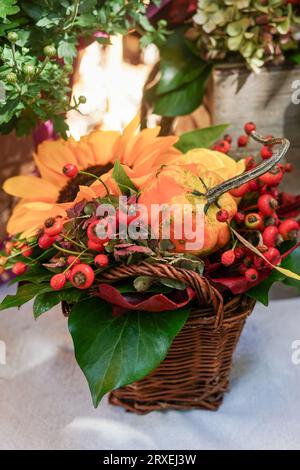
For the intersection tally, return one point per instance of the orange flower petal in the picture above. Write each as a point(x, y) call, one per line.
point(31, 187)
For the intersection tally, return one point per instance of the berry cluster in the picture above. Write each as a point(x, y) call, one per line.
point(257, 219)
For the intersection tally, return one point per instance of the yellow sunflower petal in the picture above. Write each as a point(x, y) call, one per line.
point(55, 154)
point(31, 187)
point(103, 145)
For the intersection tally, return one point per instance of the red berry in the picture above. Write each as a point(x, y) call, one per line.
point(58, 281)
point(251, 274)
point(100, 231)
point(267, 204)
point(82, 276)
point(250, 163)
point(242, 141)
point(228, 257)
point(270, 236)
point(19, 268)
point(239, 252)
point(72, 260)
point(273, 256)
point(228, 138)
point(262, 248)
point(27, 251)
point(68, 274)
point(8, 247)
point(95, 246)
point(101, 260)
point(242, 269)
point(45, 241)
point(222, 146)
point(253, 221)
point(222, 215)
point(70, 170)
point(249, 127)
point(254, 185)
point(289, 229)
point(240, 191)
point(53, 227)
point(272, 177)
point(288, 167)
point(239, 217)
point(266, 152)
point(259, 262)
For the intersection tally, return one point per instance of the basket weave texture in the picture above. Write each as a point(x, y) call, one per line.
point(195, 373)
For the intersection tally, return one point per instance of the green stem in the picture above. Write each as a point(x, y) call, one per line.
point(96, 178)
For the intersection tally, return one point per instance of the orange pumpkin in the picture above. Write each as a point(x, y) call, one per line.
point(174, 184)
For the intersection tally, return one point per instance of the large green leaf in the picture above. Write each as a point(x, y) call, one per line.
point(44, 302)
point(183, 100)
point(178, 65)
point(35, 274)
point(115, 351)
point(200, 138)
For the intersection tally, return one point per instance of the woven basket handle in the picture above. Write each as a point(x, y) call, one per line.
point(206, 293)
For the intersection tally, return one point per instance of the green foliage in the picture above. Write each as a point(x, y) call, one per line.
point(183, 77)
point(200, 138)
point(115, 351)
point(63, 26)
point(122, 179)
point(291, 262)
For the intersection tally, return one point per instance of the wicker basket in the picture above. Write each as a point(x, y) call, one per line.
point(195, 374)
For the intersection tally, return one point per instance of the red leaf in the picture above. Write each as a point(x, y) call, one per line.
point(239, 284)
point(146, 301)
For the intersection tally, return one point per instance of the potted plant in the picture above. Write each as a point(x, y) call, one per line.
point(156, 300)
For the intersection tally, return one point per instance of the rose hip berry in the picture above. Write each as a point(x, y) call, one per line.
point(288, 229)
point(58, 281)
point(267, 204)
point(253, 221)
point(228, 138)
point(258, 262)
point(70, 170)
point(249, 127)
point(228, 258)
point(272, 177)
point(239, 217)
point(273, 255)
point(45, 241)
point(242, 141)
point(251, 274)
point(222, 215)
point(240, 191)
point(53, 226)
point(239, 252)
point(270, 236)
point(101, 260)
point(95, 246)
point(222, 146)
point(27, 251)
point(19, 268)
point(266, 152)
point(82, 276)
point(72, 260)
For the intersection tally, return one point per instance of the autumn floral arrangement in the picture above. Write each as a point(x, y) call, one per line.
point(85, 216)
point(206, 34)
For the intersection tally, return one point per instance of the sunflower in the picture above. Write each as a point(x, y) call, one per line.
point(51, 193)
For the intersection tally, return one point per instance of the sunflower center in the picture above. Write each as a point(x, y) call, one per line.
point(69, 192)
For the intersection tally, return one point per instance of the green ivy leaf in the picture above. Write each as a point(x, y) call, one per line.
point(183, 100)
point(24, 293)
point(200, 138)
point(122, 179)
point(116, 351)
point(67, 50)
point(44, 302)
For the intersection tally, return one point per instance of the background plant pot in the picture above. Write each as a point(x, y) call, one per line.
point(234, 95)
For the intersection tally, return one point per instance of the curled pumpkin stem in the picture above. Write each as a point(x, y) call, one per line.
point(212, 195)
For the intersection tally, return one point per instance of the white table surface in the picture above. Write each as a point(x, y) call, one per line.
point(45, 402)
